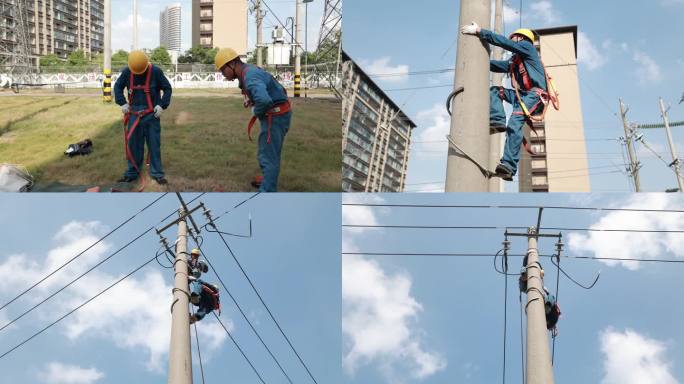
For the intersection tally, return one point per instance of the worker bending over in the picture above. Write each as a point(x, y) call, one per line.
point(270, 106)
point(528, 96)
point(142, 109)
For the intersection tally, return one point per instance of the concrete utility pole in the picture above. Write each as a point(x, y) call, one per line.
point(107, 70)
point(538, 370)
point(259, 31)
point(633, 162)
point(470, 108)
point(495, 183)
point(673, 149)
point(180, 360)
point(299, 16)
point(135, 25)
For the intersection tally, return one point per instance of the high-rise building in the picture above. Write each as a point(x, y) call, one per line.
point(221, 24)
point(170, 27)
point(55, 26)
point(376, 135)
point(560, 161)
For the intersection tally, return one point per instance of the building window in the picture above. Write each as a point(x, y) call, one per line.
point(539, 180)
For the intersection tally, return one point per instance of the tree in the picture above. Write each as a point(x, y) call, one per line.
point(77, 58)
point(209, 56)
point(120, 59)
point(198, 55)
point(160, 56)
point(50, 60)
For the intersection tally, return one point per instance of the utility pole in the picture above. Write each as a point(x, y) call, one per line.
point(135, 25)
point(673, 149)
point(470, 116)
point(298, 51)
point(495, 140)
point(633, 162)
point(538, 370)
point(180, 359)
point(107, 70)
point(259, 31)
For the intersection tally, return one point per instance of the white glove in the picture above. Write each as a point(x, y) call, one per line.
point(472, 29)
point(253, 114)
point(125, 108)
point(158, 111)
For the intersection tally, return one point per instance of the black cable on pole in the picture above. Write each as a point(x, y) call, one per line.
point(484, 227)
point(505, 269)
point(385, 205)
point(244, 315)
point(77, 308)
point(199, 352)
point(235, 207)
point(522, 342)
point(239, 349)
point(553, 348)
point(82, 252)
point(263, 303)
point(78, 278)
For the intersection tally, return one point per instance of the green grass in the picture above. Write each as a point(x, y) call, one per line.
point(204, 143)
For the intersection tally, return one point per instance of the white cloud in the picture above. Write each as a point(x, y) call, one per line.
point(377, 322)
point(630, 358)
point(587, 53)
point(434, 124)
point(624, 245)
point(672, 2)
point(133, 315)
point(649, 71)
point(382, 66)
point(544, 12)
point(58, 373)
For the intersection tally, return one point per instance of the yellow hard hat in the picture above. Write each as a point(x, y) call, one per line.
point(195, 252)
point(138, 62)
point(107, 71)
point(224, 56)
point(524, 32)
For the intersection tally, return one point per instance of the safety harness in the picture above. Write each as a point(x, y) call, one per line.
point(277, 110)
point(213, 292)
point(128, 132)
point(544, 96)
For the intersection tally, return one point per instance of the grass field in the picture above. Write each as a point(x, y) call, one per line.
point(204, 143)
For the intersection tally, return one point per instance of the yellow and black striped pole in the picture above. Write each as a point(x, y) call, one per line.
point(297, 85)
point(107, 86)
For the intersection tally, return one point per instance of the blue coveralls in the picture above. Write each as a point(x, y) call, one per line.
point(526, 51)
point(265, 92)
point(149, 128)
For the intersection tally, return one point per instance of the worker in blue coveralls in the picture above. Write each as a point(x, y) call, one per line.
point(142, 110)
point(270, 106)
point(202, 294)
point(528, 76)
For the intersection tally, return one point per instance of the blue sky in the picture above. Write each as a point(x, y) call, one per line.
point(148, 27)
point(638, 56)
point(413, 319)
point(123, 336)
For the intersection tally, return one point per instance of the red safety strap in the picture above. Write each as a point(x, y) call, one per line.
point(215, 296)
point(518, 63)
point(278, 110)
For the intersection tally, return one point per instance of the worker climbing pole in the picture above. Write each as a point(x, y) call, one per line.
point(202, 294)
point(532, 91)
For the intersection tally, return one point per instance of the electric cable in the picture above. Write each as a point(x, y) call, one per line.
point(559, 207)
point(239, 349)
point(75, 309)
point(263, 302)
point(82, 252)
point(199, 352)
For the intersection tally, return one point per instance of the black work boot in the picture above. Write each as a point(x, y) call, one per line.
point(503, 172)
point(496, 127)
point(126, 179)
point(161, 180)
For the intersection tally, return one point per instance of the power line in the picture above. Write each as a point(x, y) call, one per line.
point(76, 309)
point(82, 252)
point(474, 227)
point(240, 349)
point(244, 315)
point(199, 351)
point(244, 273)
point(476, 254)
point(77, 278)
point(560, 207)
